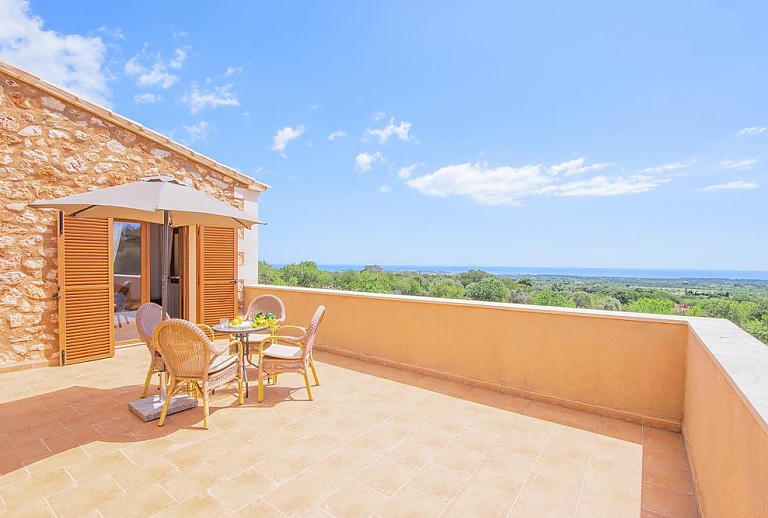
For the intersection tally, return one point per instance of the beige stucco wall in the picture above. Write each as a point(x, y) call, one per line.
point(51, 148)
point(611, 363)
point(726, 391)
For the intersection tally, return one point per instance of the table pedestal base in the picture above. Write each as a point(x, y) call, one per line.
point(150, 408)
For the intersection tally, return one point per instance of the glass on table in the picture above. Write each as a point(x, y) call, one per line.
point(224, 322)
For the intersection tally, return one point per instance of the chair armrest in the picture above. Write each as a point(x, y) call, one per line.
point(207, 330)
point(298, 328)
point(221, 348)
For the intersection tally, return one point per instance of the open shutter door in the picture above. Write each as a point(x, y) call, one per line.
point(86, 328)
point(217, 274)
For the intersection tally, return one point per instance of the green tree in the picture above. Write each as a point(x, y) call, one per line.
point(582, 299)
point(445, 290)
point(519, 297)
point(489, 288)
point(268, 274)
point(526, 281)
point(609, 304)
point(758, 328)
point(549, 297)
point(651, 305)
point(305, 274)
point(373, 283)
point(347, 280)
point(471, 276)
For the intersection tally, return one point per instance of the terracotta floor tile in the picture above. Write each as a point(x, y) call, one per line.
point(334, 471)
point(571, 442)
point(16, 495)
point(512, 465)
point(411, 454)
point(242, 490)
point(57, 461)
point(438, 482)
point(476, 440)
point(386, 477)
point(459, 459)
point(667, 501)
point(408, 503)
point(607, 473)
point(622, 430)
point(618, 450)
point(297, 496)
point(564, 469)
point(87, 470)
point(33, 509)
point(465, 505)
point(200, 505)
point(141, 503)
point(542, 497)
point(664, 475)
point(72, 438)
point(353, 499)
point(77, 501)
point(258, 508)
point(578, 419)
point(544, 411)
point(183, 485)
point(147, 473)
point(492, 488)
point(13, 477)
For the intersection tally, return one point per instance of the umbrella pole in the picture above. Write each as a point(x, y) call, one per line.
point(166, 268)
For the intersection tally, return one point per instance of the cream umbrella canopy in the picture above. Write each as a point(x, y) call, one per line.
point(160, 199)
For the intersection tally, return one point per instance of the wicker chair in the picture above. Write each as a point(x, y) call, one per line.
point(265, 304)
point(148, 316)
point(195, 362)
point(279, 353)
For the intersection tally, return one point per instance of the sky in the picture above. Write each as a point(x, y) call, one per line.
point(498, 133)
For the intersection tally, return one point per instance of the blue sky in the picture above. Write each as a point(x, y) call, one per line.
point(587, 134)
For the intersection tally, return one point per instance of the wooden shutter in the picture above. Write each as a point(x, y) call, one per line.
point(217, 274)
point(86, 311)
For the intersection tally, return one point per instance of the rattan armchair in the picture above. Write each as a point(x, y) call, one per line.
point(265, 304)
point(195, 362)
point(280, 353)
point(148, 316)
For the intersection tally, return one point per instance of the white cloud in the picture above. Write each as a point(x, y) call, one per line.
point(754, 130)
point(384, 189)
point(179, 56)
point(283, 136)
point(197, 131)
point(663, 168)
point(747, 163)
point(219, 96)
point(71, 61)
point(364, 160)
point(401, 131)
point(113, 33)
point(405, 172)
point(157, 75)
point(337, 134)
point(147, 98)
point(508, 185)
point(738, 184)
point(230, 71)
point(573, 167)
point(378, 116)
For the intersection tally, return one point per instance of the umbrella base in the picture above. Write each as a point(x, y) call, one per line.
point(150, 408)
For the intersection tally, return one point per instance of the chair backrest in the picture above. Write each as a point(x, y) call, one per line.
point(185, 348)
point(309, 338)
point(266, 304)
point(148, 316)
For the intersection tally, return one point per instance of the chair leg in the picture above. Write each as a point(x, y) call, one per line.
point(167, 402)
point(314, 372)
point(147, 381)
point(240, 399)
point(306, 382)
point(205, 409)
point(260, 395)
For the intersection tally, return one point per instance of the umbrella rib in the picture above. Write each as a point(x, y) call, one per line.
point(82, 210)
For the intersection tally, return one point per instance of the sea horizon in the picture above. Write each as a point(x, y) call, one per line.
point(636, 273)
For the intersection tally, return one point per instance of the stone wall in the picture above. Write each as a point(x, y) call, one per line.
point(51, 148)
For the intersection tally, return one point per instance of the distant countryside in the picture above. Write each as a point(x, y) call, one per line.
point(743, 302)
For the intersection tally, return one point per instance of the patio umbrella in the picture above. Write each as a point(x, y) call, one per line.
point(160, 199)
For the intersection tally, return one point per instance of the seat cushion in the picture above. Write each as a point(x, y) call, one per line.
point(284, 352)
point(221, 362)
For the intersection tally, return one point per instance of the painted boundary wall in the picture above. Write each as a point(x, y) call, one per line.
point(725, 418)
point(630, 367)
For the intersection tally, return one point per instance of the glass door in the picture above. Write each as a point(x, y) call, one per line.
point(176, 299)
point(128, 267)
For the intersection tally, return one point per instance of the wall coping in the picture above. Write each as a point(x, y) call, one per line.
point(528, 308)
point(741, 356)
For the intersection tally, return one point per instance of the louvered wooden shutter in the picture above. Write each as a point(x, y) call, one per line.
point(217, 274)
point(86, 312)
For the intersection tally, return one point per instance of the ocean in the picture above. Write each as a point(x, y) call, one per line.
point(632, 273)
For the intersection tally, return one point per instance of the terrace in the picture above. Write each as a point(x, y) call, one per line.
point(425, 408)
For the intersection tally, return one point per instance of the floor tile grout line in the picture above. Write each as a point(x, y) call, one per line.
point(530, 472)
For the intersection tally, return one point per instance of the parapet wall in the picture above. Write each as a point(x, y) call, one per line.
point(631, 367)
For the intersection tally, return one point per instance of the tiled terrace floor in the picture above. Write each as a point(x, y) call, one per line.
point(375, 442)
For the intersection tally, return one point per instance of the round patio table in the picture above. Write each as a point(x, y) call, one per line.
point(242, 333)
